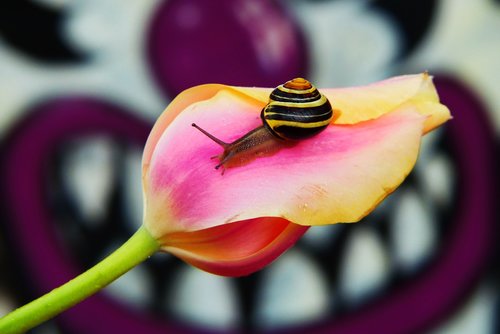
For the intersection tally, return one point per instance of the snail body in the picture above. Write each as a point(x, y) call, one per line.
point(296, 111)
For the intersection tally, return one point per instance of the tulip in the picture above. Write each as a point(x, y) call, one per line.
point(236, 222)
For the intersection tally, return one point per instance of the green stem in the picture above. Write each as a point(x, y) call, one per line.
point(137, 249)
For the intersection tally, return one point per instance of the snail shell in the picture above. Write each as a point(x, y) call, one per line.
point(296, 110)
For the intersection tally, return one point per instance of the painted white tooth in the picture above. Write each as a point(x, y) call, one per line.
point(413, 232)
point(88, 172)
point(293, 291)
point(319, 237)
point(6, 303)
point(133, 188)
point(476, 316)
point(133, 287)
point(437, 178)
point(428, 147)
point(204, 299)
point(364, 268)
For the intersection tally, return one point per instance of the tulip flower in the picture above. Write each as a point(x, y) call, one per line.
point(236, 222)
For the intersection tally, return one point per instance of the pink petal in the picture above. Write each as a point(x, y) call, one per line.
point(338, 176)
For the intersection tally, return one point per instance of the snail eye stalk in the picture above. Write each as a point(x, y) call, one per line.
point(215, 139)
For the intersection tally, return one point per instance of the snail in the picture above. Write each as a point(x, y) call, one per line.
point(296, 111)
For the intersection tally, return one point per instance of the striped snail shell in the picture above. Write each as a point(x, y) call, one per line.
point(296, 111)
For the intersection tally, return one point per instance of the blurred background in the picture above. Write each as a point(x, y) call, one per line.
point(81, 83)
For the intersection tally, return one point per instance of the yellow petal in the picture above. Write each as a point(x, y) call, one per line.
point(357, 104)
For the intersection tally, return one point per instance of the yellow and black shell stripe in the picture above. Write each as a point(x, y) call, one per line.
point(296, 110)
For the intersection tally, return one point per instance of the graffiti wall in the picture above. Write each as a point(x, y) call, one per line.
point(81, 83)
